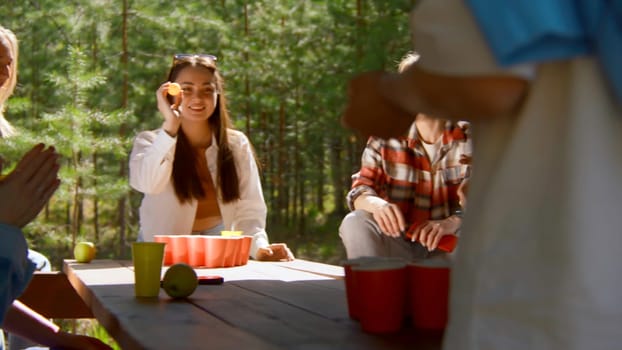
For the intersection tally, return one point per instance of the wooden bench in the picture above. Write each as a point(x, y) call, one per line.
point(51, 295)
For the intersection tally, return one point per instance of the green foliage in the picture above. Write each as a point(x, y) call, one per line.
point(89, 70)
point(98, 331)
point(88, 327)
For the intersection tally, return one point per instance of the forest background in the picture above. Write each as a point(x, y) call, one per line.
point(89, 69)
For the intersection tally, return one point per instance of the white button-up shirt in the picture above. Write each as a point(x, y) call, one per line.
point(161, 213)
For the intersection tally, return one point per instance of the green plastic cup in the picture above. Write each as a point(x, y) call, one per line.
point(147, 258)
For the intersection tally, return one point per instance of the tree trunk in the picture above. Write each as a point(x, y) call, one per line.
point(282, 199)
point(95, 200)
point(121, 217)
point(247, 84)
point(95, 58)
point(321, 180)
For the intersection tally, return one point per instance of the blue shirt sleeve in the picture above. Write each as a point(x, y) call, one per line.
point(531, 31)
point(536, 31)
point(15, 268)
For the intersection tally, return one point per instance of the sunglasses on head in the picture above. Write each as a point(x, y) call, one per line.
point(184, 56)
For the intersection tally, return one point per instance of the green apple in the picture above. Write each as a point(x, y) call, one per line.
point(180, 281)
point(84, 252)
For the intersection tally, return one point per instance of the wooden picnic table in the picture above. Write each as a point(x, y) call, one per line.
point(261, 305)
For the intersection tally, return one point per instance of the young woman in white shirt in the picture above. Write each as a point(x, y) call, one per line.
point(198, 174)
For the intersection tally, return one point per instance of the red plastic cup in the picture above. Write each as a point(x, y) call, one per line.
point(429, 294)
point(215, 250)
point(237, 253)
point(381, 290)
point(448, 243)
point(231, 250)
point(196, 251)
point(351, 294)
point(168, 252)
point(244, 251)
point(179, 249)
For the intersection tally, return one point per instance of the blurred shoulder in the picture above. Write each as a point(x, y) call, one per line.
point(237, 138)
point(464, 126)
point(147, 135)
point(157, 138)
point(459, 130)
point(377, 142)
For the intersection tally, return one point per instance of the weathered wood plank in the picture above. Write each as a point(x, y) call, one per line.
point(294, 327)
point(263, 270)
point(298, 309)
point(151, 323)
point(316, 298)
point(260, 306)
point(332, 271)
point(238, 303)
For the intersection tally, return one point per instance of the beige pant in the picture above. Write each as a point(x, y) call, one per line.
point(361, 236)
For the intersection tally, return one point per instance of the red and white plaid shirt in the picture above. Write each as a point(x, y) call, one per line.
point(399, 171)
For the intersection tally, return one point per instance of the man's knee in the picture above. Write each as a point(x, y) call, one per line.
point(354, 223)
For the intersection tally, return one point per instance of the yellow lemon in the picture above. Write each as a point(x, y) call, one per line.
point(174, 89)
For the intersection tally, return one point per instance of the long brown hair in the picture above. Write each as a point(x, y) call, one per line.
point(186, 180)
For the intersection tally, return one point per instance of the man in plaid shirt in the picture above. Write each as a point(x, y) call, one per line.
point(405, 197)
point(410, 190)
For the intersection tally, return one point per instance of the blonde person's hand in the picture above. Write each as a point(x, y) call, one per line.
point(366, 103)
point(26, 190)
point(275, 252)
point(430, 233)
point(170, 112)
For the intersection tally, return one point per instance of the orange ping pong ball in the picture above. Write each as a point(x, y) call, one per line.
point(174, 89)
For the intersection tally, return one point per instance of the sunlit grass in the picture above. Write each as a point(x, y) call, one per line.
point(88, 327)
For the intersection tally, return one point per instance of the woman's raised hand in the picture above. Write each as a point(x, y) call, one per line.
point(170, 112)
point(26, 190)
